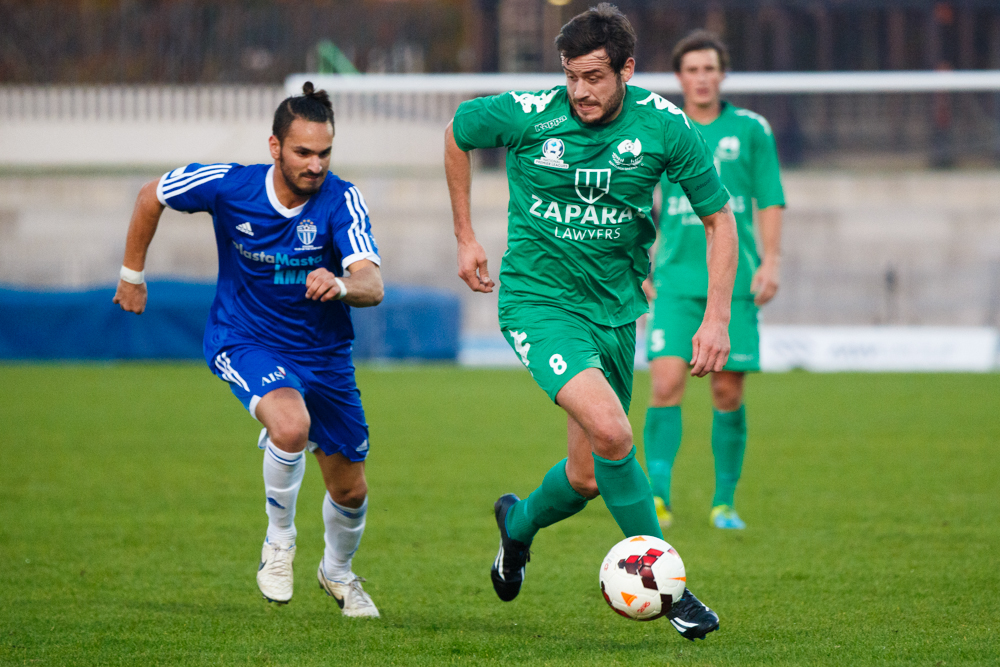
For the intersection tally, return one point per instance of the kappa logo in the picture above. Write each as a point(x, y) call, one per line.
point(306, 231)
point(550, 124)
point(520, 346)
point(662, 103)
point(757, 117)
point(592, 184)
point(529, 100)
point(245, 228)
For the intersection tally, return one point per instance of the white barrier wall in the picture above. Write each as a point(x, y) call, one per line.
point(861, 247)
point(823, 349)
point(832, 349)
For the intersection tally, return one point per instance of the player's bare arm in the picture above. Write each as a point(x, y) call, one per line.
point(768, 275)
point(361, 289)
point(471, 256)
point(142, 227)
point(711, 342)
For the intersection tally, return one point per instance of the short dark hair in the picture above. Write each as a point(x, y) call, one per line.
point(700, 40)
point(312, 105)
point(600, 27)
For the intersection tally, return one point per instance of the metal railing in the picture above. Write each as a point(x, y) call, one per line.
point(946, 116)
point(206, 103)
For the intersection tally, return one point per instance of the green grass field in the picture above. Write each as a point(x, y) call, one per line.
point(133, 514)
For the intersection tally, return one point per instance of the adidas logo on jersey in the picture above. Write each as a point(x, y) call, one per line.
point(245, 228)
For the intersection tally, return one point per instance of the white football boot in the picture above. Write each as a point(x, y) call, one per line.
point(274, 575)
point(350, 597)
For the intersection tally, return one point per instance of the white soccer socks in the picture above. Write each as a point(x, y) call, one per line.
point(283, 474)
point(344, 527)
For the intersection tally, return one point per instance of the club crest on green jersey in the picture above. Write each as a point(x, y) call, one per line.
point(552, 152)
point(728, 149)
point(592, 184)
point(627, 147)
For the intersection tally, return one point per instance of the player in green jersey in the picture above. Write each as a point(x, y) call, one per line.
point(582, 163)
point(747, 161)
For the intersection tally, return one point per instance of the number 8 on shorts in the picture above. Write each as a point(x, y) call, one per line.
point(558, 364)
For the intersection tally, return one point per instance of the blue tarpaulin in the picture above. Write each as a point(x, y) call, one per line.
point(410, 323)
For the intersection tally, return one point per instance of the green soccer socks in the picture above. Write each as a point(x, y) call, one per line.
point(729, 441)
point(662, 438)
point(627, 493)
point(553, 501)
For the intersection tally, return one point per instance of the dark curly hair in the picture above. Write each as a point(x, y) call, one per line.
point(600, 27)
point(312, 105)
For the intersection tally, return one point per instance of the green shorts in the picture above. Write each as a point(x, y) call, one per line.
point(555, 344)
point(674, 320)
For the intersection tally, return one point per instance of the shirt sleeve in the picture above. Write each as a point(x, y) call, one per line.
point(767, 188)
point(192, 188)
point(352, 230)
point(690, 165)
point(488, 122)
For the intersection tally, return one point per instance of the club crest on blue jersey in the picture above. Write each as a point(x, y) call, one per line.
point(306, 231)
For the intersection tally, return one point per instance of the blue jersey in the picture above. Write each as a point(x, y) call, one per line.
point(265, 253)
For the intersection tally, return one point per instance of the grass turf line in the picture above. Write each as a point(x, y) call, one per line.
point(133, 516)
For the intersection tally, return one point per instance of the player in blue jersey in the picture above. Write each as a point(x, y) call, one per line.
point(295, 250)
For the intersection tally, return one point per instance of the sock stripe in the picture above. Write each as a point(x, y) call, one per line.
point(281, 456)
point(350, 512)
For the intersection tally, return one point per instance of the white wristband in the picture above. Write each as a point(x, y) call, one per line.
point(130, 276)
point(343, 289)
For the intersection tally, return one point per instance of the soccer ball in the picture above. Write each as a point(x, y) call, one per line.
point(641, 577)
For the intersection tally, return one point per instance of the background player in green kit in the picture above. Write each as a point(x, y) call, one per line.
point(747, 161)
point(582, 162)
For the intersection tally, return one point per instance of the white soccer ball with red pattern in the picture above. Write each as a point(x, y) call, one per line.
point(641, 577)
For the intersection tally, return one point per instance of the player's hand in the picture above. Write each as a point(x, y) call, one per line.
point(132, 298)
point(321, 285)
point(765, 282)
point(647, 287)
point(472, 267)
point(711, 348)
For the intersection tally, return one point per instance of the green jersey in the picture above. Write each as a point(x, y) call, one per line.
point(579, 225)
point(747, 160)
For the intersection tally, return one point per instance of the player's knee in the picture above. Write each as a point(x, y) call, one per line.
point(350, 496)
point(668, 375)
point(586, 485)
point(290, 435)
point(667, 391)
point(587, 489)
point(612, 438)
point(727, 391)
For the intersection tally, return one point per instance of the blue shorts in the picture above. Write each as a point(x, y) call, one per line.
point(328, 387)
